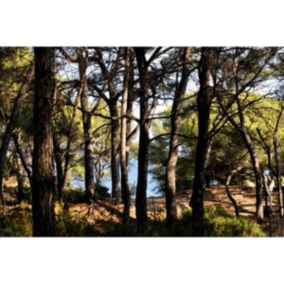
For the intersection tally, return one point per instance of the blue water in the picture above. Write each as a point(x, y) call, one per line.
point(152, 187)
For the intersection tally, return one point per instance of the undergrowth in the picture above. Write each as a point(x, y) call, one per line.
point(216, 223)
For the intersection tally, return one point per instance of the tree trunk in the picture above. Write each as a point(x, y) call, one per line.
point(115, 148)
point(88, 145)
point(20, 178)
point(257, 173)
point(43, 187)
point(17, 142)
point(126, 193)
point(170, 182)
point(242, 129)
point(207, 159)
point(11, 123)
point(130, 101)
point(68, 156)
point(229, 194)
point(58, 155)
point(203, 104)
point(143, 152)
point(276, 158)
point(268, 185)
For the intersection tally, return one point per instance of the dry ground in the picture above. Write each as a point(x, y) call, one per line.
point(107, 210)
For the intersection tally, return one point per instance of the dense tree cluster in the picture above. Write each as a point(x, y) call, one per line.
point(191, 116)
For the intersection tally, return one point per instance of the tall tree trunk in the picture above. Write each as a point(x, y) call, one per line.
point(174, 141)
point(276, 158)
point(20, 178)
point(115, 148)
point(257, 173)
point(240, 126)
point(58, 155)
point(112, 102)
point(207, 160)
point(11, 123)
point(204, 97)
point(67, 158)
point(88, 145)
point(229, 194)
point(130, 101)
point(17, 142)
point(259, 183)
point(143, 152)
point(126, 193)
point(43, 187)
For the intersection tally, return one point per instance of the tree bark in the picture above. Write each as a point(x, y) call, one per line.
point(17, 142)
point(11, 123)
point(257, 173)
point(276, 158)
point(67, 157)
point(20, 178)
point(240, 126)
point(229, 194)
point(86, 117)
point(43, 187)
point(204, 97)
point(143, 152)
point(126, 193)
point(115, 149)
point(275, 170)
point(170, 182)
point(58, 155)
point(112, 102)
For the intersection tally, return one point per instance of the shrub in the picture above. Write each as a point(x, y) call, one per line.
point(102, 191)
point(74, 195)
point(236, 227)
point(15, 227)
point(69, 226)
point(216, 223)
point(77, 195)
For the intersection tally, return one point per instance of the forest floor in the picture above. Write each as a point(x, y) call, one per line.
point(108, 211)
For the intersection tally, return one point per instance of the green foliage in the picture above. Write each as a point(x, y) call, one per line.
point(13, 66)
point(227, 149)
point(68, 226)
point(17, 224)
point(236, 227)
point(102, 191)
point(74, 195)
point(77, 195)
point(216, 223)
point(219, 224)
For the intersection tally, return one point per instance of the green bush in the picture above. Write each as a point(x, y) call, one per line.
point(77, 195)
point(102, 191)
point(15, 227)
point(216, 223)
point(68, 226)
point(74, 195)
point(236, 227)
